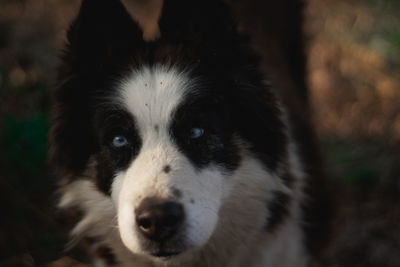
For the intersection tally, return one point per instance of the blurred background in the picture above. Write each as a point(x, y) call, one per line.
point(353, 73)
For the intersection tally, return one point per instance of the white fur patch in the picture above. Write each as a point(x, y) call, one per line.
point(100, 214)
point(152, 94)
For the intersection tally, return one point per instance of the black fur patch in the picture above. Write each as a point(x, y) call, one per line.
point(227, 71)
point(278, 208)
point(230, 98)
point(217, 144)
point(110, 159)
point(287, 177)
point(101, 41)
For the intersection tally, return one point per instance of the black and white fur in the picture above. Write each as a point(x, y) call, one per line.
point(187, 119)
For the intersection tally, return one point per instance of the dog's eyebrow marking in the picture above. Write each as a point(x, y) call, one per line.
point(176, 192)
point(167, 169)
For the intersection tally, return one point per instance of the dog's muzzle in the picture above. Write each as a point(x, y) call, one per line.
point(159, 221)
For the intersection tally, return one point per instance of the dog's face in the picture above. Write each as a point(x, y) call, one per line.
point(171, 147)
point(168, 124)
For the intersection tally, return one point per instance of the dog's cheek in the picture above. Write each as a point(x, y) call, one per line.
point(126, 227)
point(116, 188)
point(125, 197)
point(202, 206)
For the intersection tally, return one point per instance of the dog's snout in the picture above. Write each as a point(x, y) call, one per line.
point(159, 220)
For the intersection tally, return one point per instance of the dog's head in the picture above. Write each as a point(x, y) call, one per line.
point(169, 125)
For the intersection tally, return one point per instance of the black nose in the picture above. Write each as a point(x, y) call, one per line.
point(158, 220)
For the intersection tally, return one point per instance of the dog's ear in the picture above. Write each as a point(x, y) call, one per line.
point(103, 33)
point(101, 39)
point(205, 21)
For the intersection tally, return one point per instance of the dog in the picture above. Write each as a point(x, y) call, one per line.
point(177, 151)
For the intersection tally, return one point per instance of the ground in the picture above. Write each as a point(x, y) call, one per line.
point(353, 49)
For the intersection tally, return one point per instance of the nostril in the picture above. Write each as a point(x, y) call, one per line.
point(159, 220)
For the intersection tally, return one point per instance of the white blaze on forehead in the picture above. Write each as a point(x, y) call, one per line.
point(152, 94)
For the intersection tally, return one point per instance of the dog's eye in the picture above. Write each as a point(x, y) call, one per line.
point(195, 133)
point(119, 141)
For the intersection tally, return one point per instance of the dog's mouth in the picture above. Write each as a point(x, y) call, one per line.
point(165, 255)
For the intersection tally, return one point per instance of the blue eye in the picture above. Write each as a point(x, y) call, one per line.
point(196, 133)
point(119, 141)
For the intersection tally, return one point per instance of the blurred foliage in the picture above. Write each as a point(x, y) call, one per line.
point(393, 39)
point(24, 124)
point(24, 144)
point(359, 171)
